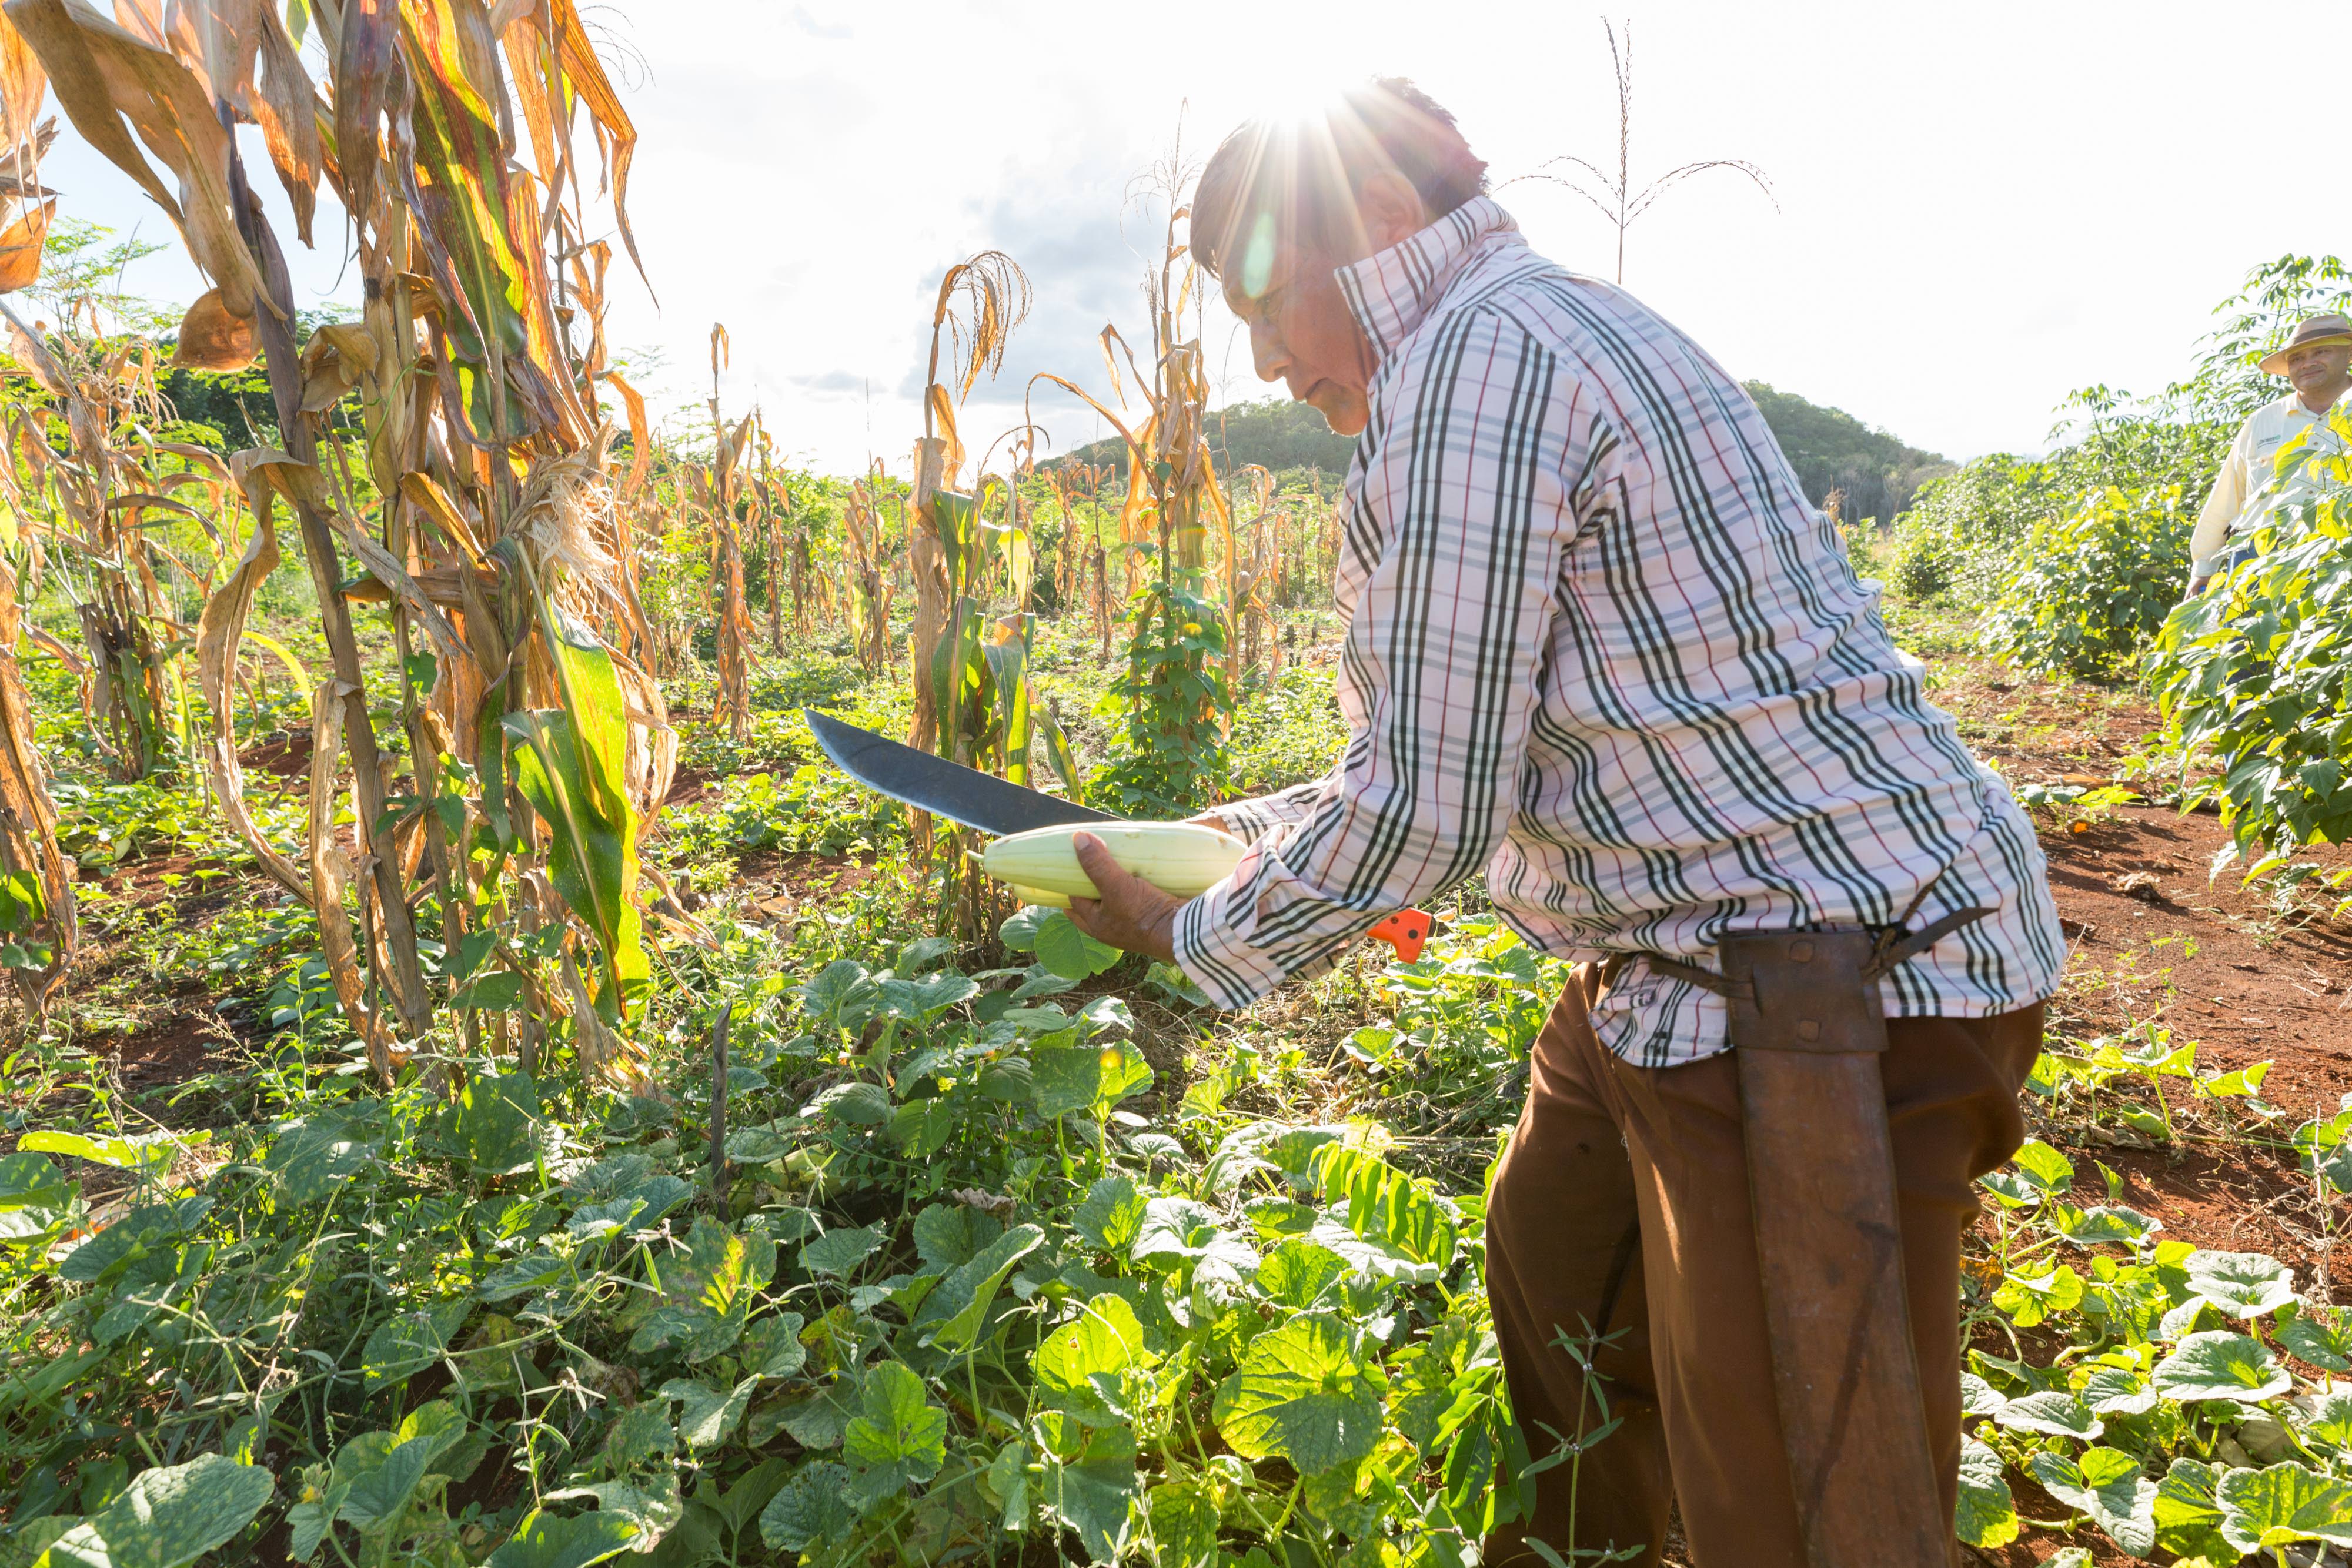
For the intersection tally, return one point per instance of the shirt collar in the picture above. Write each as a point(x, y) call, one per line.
point(1390, 292)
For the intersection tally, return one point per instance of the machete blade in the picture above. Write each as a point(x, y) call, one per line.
point(944, 788)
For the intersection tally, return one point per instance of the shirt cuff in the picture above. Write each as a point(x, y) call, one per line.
point(1217, 959)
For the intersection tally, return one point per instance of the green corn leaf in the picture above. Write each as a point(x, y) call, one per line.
point(570, 767)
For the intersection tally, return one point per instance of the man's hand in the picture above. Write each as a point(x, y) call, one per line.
point(1209, 819)
point(1131, 913)
point(2196, 585)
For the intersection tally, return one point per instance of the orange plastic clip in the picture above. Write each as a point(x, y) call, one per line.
point(1405, 931)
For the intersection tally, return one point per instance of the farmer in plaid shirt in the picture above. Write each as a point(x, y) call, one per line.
point(1601, 649)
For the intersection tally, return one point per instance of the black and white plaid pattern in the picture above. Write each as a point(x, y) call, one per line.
point(1599, 646)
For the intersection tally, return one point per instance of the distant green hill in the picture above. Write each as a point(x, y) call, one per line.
point(1829, 449)
point(1272, 433)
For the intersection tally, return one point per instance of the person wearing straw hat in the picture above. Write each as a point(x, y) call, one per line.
point(2317, 361)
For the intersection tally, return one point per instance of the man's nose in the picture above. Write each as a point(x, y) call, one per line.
point(1271, 358)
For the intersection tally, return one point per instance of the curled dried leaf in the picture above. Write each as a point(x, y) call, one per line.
point(213, 337)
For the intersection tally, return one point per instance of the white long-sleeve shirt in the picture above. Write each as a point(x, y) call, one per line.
point(1599, 646)
point(2244, 474)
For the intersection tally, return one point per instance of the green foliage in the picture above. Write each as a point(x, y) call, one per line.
point(2094, 585)
point(2251, 675)
point(1832, 451)
point(1275, 434)
point(1173, 702)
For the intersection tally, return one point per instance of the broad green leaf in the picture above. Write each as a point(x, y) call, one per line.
point(1086, 1478)
point(2029, 1299)
point(772, 1347)
point(708, 1289)
point(651, 1505)
point(1081, 1362)
point(2331, 1421)
point(2100, 1224)
point(311, 1156)
point(545, 1540)
point(1183, 1517)
point(1089, 1078)
point(1298, 1273)
point(642, 1433)
point(2113, 1391)
point(1987, 1516)
point(2242, 1284)
point(1301, 1394)
point(2317, 1335)
point(1019, 930)
point(899, 1437)
point(2281, 1505)
point(2220, 1364)
point(1069, 952)
point(963, 1297)
point(2106, 1484)
point(948, 1234)
point(2187, 1517)
point(379, 1474)
point(838, 1252)
point(410, 1343)
point(2044, 1166)
point(860, 1104)
point(1112, 1215)
point(707, 1416)
point(33, 1197)
point(167, 1517)
point(2053, 1412)
point(1979, 1397)
point(815, 1505)
point(1182, 1227)
point(494, 1126)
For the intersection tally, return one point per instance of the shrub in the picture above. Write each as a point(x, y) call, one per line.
point(2256, 673)
point(2093, 586)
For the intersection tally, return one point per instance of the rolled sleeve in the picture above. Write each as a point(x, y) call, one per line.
point(1252, 819)
point(1466, 509)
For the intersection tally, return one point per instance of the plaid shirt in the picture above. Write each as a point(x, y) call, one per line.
point(1599, 646)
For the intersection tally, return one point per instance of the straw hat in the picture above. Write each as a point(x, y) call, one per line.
point(2330, 329)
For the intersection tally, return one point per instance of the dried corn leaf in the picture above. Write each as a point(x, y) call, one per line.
point(104, 75)
point(330, 875)
point(20, 247)
point(213, 337)
point(218, 632)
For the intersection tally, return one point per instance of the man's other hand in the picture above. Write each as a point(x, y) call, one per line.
point(1131, 913)
point(1211, 820)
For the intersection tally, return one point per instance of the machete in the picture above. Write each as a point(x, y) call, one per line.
point(990, 805)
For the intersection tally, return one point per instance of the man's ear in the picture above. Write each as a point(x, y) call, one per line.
point(1389, 210)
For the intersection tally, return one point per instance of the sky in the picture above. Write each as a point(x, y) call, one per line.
point(1974, 209)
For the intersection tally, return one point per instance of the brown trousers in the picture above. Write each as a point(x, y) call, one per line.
point(1622, 1203)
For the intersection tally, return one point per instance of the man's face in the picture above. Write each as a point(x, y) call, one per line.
point(1301, 332)
point(2320, 372)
